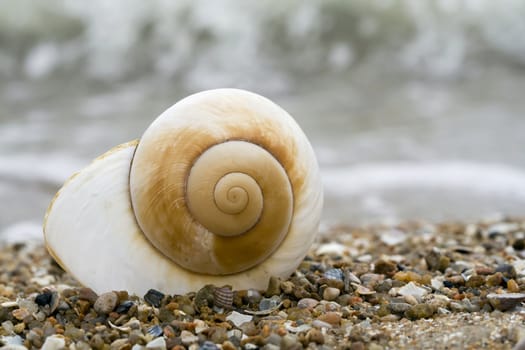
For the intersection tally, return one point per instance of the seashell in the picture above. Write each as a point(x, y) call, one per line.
point(222, 188)
point(155, 330)
point(223, 297)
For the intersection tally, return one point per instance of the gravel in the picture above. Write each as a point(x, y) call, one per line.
point(413, 286)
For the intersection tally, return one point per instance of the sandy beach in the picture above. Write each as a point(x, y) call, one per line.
point(411, 286)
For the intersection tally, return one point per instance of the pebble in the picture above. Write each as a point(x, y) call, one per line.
point(393, 237)
point(380, 292)
point(411, 289)
point(331, 293)
point(420, 311)
point(87, 294)
point(315, 336)
point(505, 301)
point(54, 342)
point(188, 338)
point(106, 303)
point(399, 308)
point(238, 319)
point(157, 344)
point(385, 267)
point(307, 303)
point(332, 249)
point(512, 286)
point(274, 286)
point(154, 297)
point(269, 303)
point(331, 317)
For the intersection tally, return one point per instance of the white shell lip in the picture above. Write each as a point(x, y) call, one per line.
point(90, 229)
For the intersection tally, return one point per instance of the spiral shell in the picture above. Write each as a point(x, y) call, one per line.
point(222, 188)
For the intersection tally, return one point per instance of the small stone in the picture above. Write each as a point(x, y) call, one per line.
point(253, 296)
point(362, 290)
point(332, 318)
point(370, 280)
point(475, 281)
point(296, 314)
point(420, 311)
point(44, 298)
point(238, 319)
point(507, 270)
point(124, 307)
point(407, 276)
point(217, 335)
point(456, 281)
point(106, 303)
point(287, 287)
point(157, 344)
point(393, 237)
point(495, 279)
point(412, 290)
point(358, 345)
point(290, 341)
point(154, 297)
point(274, 286)
point(269, 303)
point(505, 301)
point(87, 294)
point(436, 261)
point(208, 345)
point(385, 267)
point(307, 303)
point(120, 344)
point(512, 286)
point(331, 293)
point(21, 313)
point(315, 336)
point(399, 308)
point(54, 342)
point(19, 327)
point(188, 338)
point(228, 345)
point(249, 328)
point(332, 249)
point(519, 244)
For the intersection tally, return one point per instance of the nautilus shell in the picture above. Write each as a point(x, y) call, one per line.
point(222, 188)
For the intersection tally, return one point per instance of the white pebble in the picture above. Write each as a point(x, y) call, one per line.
point(332, 248)
point(393, 237)
point(54, 342)
point(238, 319)
point(188, 338)
point(412, 290)
point(157, 344)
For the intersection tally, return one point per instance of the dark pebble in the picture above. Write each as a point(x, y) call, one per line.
point(44, 298)
point(506, 270)
point(154, 297)
point(385, 267)
point(420, 311)
point(519, 244)
point(124, 307)
point(399, 308)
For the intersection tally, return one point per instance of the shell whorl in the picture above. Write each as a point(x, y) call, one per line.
point(213, 180)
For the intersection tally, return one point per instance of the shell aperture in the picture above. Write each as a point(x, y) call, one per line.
point(223, 187)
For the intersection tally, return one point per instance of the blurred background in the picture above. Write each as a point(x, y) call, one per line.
point(415, 108)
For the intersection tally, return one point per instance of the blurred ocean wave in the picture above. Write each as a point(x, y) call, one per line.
point(415, 108)
point(227, 40)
